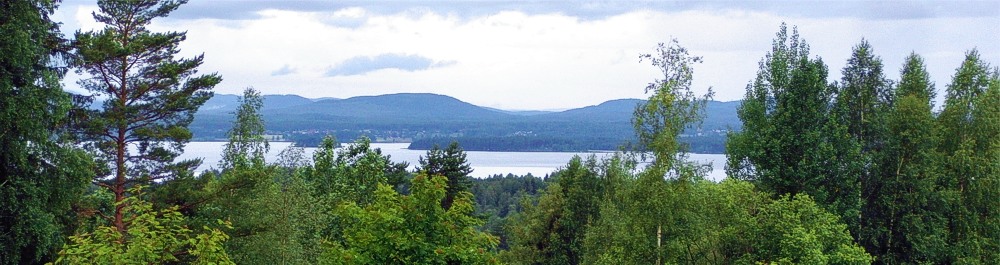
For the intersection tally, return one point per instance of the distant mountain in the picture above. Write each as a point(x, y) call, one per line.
point(617, 110)
point(225, 103)
point(722, 116)
point(284, 101)
point(405, 106)
point(412, 116)
point(222, 103)
point(324, 98)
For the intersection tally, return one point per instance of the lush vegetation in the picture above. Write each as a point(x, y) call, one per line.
point(858, 171)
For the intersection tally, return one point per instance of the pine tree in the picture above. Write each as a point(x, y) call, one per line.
point(450, 163)
point(150, 96)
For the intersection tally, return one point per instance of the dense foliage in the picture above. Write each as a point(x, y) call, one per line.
point(500, 197)
point(41, 174)
point(909, 183)
point(412, 229)
point(154, 236)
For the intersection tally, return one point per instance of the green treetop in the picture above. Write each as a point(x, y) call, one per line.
point(412, 229)
point(451, 163)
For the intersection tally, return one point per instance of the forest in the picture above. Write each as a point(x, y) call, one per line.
point(866, 169)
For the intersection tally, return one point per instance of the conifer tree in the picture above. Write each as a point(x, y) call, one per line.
point(451, 163)
point(149, 96)
point(41, 173)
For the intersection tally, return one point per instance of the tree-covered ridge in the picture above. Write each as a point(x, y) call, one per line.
point(860, 170)
point(429, 119)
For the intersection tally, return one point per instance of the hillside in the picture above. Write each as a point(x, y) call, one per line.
point(394, 107)
point(431, 118)
point(225, 103)
point(613, 110)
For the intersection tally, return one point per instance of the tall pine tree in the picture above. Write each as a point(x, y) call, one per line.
point(149, 96)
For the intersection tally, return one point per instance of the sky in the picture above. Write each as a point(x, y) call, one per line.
point(544, 55)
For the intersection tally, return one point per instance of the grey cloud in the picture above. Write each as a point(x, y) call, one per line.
point(363, 64)
point(284, 70)
point(345, 22)
point(601, 9)
point(243, 10)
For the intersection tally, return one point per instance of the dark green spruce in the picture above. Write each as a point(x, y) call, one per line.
point(42, 174)
point(451, 163)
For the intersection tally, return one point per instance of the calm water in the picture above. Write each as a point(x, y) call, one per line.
point(483, 163)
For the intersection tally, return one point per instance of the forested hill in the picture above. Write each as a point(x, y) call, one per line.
point(428, 119)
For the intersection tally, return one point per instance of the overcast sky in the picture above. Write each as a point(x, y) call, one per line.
point(544, 54)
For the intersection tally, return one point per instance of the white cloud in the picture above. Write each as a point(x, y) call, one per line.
point(518, 60)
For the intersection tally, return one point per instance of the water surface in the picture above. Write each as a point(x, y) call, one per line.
point(484, 163)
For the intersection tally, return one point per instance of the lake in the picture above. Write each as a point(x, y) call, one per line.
point(483, 163)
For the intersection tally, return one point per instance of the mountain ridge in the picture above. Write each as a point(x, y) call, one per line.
point(232, 102)
point(407, 117)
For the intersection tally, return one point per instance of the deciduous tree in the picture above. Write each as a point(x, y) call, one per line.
point(275, 216)
point(905, 221)
point(412, 229)
point(154, 237)
point(970, 142)
point(790, 143)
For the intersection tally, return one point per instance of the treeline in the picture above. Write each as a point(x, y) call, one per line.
point(612, 211)
point(861, 170)
point(702, 144)
point(913, 185)
point(521, 143)
point(499, 197)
